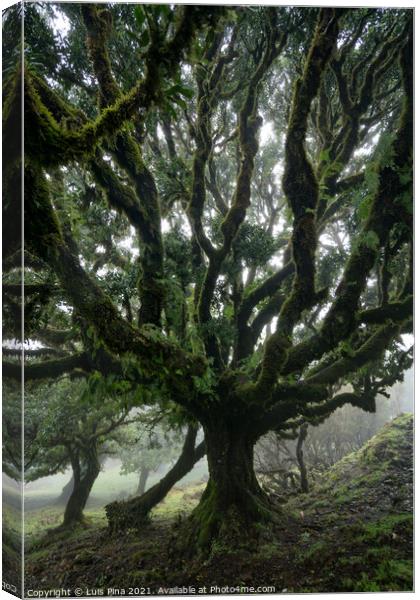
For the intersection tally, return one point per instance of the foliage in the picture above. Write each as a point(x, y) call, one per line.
point(65, 424)
point(218, 201)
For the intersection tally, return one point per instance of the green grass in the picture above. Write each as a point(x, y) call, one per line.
point(315, 550)
point(386, 444)
point(385, 528)
point(372, 556)
point(179, 501)
point(41, 515)
point(388, 576)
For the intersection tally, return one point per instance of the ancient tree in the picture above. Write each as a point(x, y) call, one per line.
point(221, 200)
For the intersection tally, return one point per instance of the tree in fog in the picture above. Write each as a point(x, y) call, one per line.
point(345, 431)
point(218, 215)
point(144, 450)
point(73, 428)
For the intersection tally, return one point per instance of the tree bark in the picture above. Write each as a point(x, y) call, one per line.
point(233, 501)
point(133, 513)
point(304, 484)
point(65, 492)
point(144, 474)
point(85, 472)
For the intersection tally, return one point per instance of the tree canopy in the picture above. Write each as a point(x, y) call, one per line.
point(218, 216)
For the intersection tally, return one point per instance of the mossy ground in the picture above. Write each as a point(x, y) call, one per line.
point(352, 533)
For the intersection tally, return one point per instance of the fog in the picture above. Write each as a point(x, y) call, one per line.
point(349, 422)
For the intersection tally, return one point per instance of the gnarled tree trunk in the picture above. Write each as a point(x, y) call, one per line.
point(85, 470)
point(132, 513)
point(233, 501)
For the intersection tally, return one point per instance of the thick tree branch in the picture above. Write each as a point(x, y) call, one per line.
point(301, 189)
point(17, 352)
point(141, 207)
point(49, 369)
point(397, 312)
point(370, 351)
point(55, 337)
point(386, 210)
point(322, 411)
point(60, 146)
point(149, 347)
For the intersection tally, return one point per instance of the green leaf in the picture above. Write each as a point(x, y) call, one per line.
point(180, 89)
point(364, 207)
point(140, 16)
point(324, 155)
point(371, 240)
point(144, 39)
point(181, 103)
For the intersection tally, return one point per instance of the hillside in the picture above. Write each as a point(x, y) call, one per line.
point(352, 533)
point(358, 522)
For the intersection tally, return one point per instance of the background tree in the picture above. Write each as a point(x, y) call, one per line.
point(144, 450)
point(343, 432)
point(239, 282)
point(72, 428)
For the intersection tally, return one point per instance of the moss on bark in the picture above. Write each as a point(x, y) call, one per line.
point(233, 505)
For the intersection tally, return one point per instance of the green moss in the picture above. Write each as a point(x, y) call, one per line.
point(384, 528)
point(370, 464)
point(42, 229)
point(269, 551)
point(315, 551)
point(387, 443)
point(53, 145)
point(214, 524)
point(400, 572)
point(388, 576)
point(207, 516)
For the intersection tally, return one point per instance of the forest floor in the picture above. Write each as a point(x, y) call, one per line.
point(352, 532)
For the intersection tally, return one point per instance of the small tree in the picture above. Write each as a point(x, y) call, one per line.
point(72, 430)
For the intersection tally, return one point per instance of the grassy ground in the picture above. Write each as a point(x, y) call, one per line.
point(352, 533)
point(42, 514)
point(179, 502)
